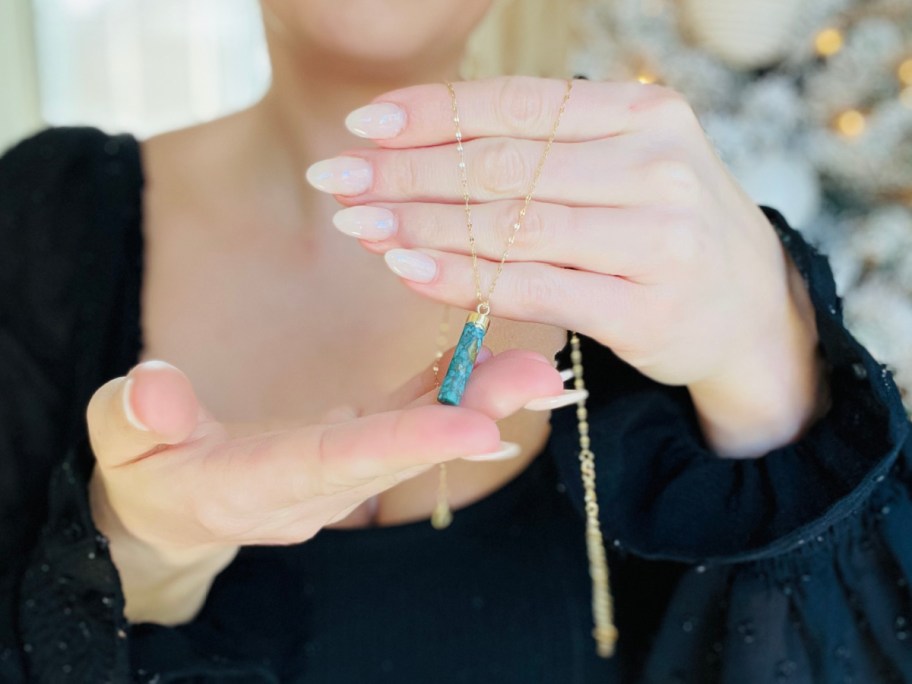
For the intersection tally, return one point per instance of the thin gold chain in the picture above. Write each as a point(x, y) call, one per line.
point(605, 633)
point(484, 305)
point(442, 515)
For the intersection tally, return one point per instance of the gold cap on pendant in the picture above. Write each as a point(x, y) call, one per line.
point(479, 320)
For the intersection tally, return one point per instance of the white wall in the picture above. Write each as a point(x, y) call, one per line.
point(141, 66)
point(19, 108)
point(146, 66)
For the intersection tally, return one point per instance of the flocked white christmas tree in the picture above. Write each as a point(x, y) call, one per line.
point(810, 104)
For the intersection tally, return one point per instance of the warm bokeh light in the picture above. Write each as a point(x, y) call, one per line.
point(850, 123)
point(646, 76)
point(904, 72)
point(828, 42)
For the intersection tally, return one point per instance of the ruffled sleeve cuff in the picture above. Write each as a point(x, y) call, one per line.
point(71, 609)
point(664, 494)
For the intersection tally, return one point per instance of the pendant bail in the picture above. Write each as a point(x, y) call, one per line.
point(483, 308)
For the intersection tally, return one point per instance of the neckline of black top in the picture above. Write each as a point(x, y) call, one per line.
point(479, 513)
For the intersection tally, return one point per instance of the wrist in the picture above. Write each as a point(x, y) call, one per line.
point(770, 393)
point(160, 584)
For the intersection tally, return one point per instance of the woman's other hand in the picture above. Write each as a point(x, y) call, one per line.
point(177, 493)
point(638, 236)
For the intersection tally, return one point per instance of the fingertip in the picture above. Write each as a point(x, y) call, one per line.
point(153, 364)
point(457, 430)
point(129, 413)
point(159, 398)
point(525, 354)
point(483, 355)
point(508, 381)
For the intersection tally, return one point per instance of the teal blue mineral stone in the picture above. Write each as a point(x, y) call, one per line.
point(457, 375)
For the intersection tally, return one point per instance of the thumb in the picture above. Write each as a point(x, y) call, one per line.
point(129, 417)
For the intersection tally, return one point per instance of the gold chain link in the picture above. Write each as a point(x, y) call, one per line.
point(604, 632)
point(484, 300)
point(442, 515)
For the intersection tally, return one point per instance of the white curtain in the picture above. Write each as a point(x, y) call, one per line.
point(146, 66)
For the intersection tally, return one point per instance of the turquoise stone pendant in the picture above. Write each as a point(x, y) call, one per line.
point(457, 375)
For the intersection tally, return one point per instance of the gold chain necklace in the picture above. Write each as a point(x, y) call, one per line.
point(457, 376)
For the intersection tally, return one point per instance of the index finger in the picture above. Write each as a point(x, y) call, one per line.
point(513, 106)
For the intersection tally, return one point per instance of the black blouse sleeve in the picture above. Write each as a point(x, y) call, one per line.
point(797, 564)
point(69, 212)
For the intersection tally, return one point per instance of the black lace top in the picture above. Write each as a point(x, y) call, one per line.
point(794, 567)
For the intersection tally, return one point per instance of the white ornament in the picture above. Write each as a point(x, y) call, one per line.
point(785, 182)
point(747, 33)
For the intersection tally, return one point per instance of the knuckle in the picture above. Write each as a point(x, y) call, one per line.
point(532, 233)
point(501, 169)
point(674, 110)
point(320, 478)
point(673, 181)
point(520, 104)
point(397, 173)
point(533, 291)
point(433, 230)
point(530, 236)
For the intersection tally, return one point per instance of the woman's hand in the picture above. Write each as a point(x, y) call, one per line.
point(638, 237)
point(177, 492)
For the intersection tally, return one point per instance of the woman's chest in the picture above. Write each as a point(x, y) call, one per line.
point(275, 328)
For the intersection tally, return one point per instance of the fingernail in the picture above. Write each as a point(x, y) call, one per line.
point(128, 407)
point(341, 175)
point(483, 355)
point(565, 399)
point(507, 451)
point(566, 374)
point(367, 223)
point(411, 265)
point(153, 364)
point(378, 121)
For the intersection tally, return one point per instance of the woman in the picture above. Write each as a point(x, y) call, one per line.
point(255, 508)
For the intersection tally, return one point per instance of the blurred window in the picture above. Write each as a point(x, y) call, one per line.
point(146, 66)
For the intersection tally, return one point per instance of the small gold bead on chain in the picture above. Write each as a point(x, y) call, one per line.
point(604, 632)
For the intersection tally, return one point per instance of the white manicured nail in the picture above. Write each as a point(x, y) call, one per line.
point(128, 408)
point(154, 364)
point(566, 374)
point(378, 121)
point(366, 223)
point(341, 175)
point(507, 450)
point(547, 403)
point(411, 265)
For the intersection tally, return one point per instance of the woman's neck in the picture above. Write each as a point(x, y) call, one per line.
point(312, 92)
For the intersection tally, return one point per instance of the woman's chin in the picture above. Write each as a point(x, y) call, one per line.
point(378, 34)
